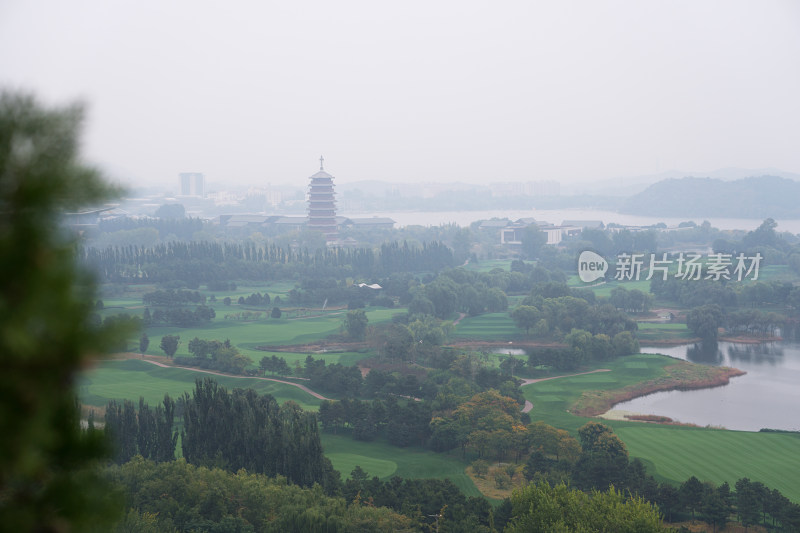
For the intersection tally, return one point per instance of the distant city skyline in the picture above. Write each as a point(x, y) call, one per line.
point(572, 92)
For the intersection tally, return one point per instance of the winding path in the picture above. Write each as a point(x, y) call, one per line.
point(537, 380)
point(528, 405)
point(298, 385)
point(525, 409)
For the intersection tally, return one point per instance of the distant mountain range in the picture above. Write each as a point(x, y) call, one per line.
point(753, 197)
point(630, 185)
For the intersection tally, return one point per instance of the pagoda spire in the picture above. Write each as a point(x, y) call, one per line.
point(321, 160)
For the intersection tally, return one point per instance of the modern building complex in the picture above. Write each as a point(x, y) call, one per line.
point(192, 184)
point(322, 204)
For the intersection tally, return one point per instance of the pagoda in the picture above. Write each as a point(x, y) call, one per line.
point(322, 205)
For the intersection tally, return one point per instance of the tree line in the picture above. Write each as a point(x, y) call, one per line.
point(149, 432)
point(729, 295)
point(182, 228)
point(179, 317)
point(172, 297)
point(217, 355)
point(201, 262)
point(231, 430)
point(706, 320)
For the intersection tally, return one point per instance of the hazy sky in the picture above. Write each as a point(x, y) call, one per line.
point(255, 92)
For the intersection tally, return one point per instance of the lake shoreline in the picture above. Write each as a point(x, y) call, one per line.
point(744, 339)
point(680, 376)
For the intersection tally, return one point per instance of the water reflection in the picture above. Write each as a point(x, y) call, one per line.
point(790, 332)
point(766, 397)
point(705, 353)
point(761, 354)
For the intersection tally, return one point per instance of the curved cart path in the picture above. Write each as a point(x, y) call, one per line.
point(528, 405)
point(526, 408)
point(298, 385)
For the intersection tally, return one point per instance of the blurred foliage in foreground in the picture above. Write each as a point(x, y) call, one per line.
point(46, 479)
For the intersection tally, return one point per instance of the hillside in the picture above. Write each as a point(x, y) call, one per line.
point(755, 197)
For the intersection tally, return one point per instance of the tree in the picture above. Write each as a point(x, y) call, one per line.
point(540, 507)
point(763, 235)
point(144, 342)
point(526, 316)
point(274, 365)
point(443, 293)
point(169, 343)
point(604, 459)
point(532, 241)
point(747, 502)
point(668, 499)
point(715, 508)
point(704, 321)
point(580, 342)
point(355, 323)
point(420, 305)
point(625, 344)
point(480, 468)
point(398, 343)
point(45, 307)
point(691, 494)
point(276, 312)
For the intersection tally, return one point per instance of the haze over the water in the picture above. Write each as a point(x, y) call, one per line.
point(254, 92)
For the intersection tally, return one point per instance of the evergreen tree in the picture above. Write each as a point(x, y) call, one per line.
point(47, 334)
point(144, 342)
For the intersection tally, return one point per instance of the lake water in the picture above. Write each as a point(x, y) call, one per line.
point(768, 396)
point(557, 216)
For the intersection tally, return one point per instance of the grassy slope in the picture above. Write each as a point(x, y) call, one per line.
point(346, 453)
point(674, 453)
point(489, 327)
point(717, 455)
point(131, 379)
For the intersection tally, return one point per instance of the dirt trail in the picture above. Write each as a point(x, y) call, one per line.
point(528, 405)
point(298, 385)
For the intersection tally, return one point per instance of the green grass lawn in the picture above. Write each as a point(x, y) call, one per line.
point(345, 453)
point(673, 453)
point(649, 331)
point(775, 273)
point(604, 289)
point(132, 378)
point(490, 326)
point(293, 327)
point(486, 265)
point(717, 455)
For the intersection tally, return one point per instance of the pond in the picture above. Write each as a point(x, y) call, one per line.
point(510, 351)
point(768, 396)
